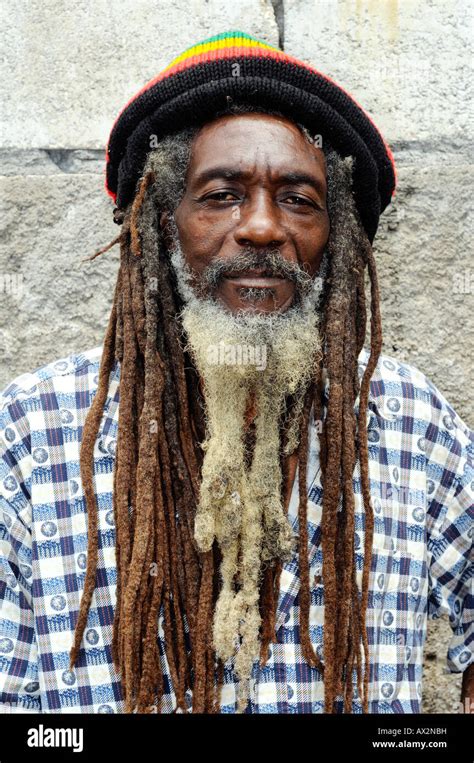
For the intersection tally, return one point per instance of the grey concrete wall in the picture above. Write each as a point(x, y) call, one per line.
point(67, 69)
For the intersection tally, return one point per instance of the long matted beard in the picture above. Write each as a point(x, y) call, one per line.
point(240, 505)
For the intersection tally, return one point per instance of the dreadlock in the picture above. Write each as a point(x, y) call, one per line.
point(159, 459)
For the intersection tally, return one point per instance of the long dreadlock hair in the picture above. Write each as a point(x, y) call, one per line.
point(159, 458)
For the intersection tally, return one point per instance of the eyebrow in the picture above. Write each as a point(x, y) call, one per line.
point(230, 173)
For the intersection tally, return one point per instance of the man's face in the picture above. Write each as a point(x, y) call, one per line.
point(255, 188)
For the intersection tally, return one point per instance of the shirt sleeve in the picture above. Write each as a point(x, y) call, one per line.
point(450, 527)
point(19, 685)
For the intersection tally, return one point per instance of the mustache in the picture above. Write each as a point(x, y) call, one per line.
point(271, 260)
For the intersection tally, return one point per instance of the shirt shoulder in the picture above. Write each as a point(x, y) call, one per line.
point(39, 410)
point(61, 372)
point(400, 389)
point(390, 372)
point(34, 402)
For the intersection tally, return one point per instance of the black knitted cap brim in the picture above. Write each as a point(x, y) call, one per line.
point(194, 96)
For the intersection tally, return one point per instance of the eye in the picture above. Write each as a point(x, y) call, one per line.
point(297, 200)
point(220, 196)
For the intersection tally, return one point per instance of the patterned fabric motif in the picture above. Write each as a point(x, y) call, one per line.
point(422, 486)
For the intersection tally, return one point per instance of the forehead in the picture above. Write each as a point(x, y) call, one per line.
point(256, 139)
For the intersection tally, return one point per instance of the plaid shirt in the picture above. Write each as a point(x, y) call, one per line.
point(422, 487)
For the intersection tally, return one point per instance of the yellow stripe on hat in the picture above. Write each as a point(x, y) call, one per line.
point(220, 42)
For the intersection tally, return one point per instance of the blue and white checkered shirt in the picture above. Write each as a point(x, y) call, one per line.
point(422, 486)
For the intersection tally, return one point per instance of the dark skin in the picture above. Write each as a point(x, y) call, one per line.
point(268, 189)
point(253, 201)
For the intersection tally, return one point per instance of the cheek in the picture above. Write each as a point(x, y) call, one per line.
point(200, 239)
point(312, 245)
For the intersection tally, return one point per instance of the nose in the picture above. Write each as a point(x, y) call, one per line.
point(259, 223)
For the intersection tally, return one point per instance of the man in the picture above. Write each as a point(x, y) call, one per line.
point(245, 510)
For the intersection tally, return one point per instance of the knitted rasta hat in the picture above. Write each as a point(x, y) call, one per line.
point(234, 67)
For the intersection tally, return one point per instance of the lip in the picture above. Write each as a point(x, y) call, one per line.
point(256, 282)
point(255, 279)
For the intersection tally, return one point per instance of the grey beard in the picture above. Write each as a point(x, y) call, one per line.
point(240, 507)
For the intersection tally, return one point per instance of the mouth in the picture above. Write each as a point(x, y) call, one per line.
point(257, 278)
